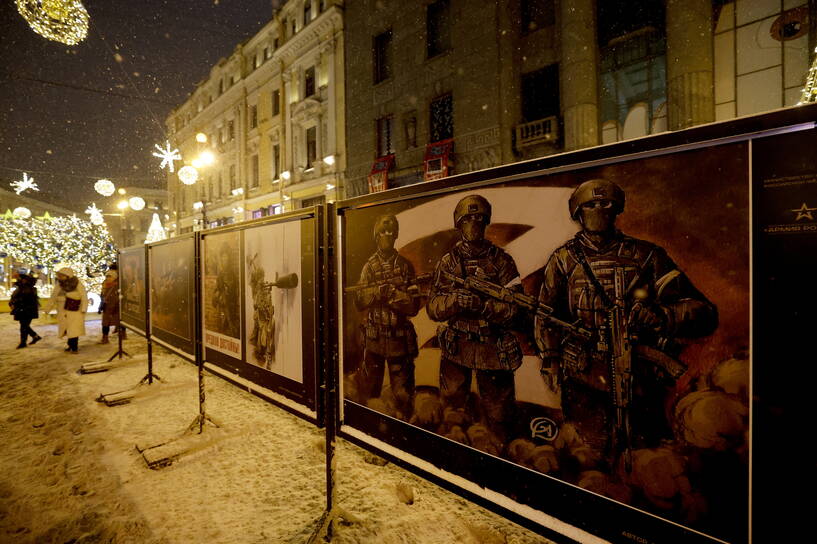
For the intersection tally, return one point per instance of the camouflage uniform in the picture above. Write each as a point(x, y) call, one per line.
point(651, 278)
point(476, 339)
point(389, 336)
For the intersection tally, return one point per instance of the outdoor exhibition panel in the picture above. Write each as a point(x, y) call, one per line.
point(133, 306)
point(571, 339)
point(259, 299)
point(171, 276)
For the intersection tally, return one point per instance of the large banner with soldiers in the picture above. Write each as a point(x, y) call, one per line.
point(133, 309)
point(221, 295)
point(172, 305)
point(588, 328)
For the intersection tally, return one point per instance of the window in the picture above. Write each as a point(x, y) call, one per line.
point(275, 43)
point(381, 56)
point(385, 140)
point(442, 118)
point(256, 61)
point(254, 171)
point(438, 28)
point(222, 132)
point(276, 161)
point(253, 116)
point(267, 53)
point(311, 146)
point(537, 14)
point(231, 130)
point(220, 187)
point(220, 86)
point(309, 81)
point(321, 6)
point(307, 12)
point(211, 196)
point(276, 102)
point(293, 27)
point(232, 176)
point(540, 93)
point(315, 201)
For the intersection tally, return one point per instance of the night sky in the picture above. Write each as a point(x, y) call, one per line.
point(70, 115)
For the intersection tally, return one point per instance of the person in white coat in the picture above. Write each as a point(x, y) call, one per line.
point(71, 302)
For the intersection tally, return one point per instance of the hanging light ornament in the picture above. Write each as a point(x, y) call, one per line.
point(105, 187)
point(136, 203)
point(21, 213)
point(188, 175)
point(64, 21)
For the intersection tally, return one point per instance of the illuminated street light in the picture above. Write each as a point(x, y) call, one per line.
point(329, 160)
point(121, 191)
point(207, 157)
point(123, 204)
point(197, 205)
point(201, 138)
point(285, 175)
point(329, 186)
point(237, 191)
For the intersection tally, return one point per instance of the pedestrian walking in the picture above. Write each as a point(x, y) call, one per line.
point(25, 307)
point(71, 302)
point(109, 308)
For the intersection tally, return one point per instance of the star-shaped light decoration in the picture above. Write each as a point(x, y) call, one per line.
point(26, 183)
point(168, 156)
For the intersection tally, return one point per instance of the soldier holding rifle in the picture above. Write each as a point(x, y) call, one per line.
point(388, 293)
point(475, 339)
point(635, 301)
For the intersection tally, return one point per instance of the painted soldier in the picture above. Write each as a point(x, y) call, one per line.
point(637, 302)
point(476, 339)
point(389, 336)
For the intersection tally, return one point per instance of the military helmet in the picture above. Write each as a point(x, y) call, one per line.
point(386, 222)
point(595, 189)
point(472, 204)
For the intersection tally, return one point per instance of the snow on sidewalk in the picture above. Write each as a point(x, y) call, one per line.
point(69, 471)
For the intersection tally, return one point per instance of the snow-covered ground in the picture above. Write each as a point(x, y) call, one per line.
point(69, 470)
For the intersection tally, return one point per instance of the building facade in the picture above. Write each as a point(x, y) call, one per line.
point(437, 87)
point(272, 117)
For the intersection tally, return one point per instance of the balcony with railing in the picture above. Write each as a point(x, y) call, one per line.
point(541, 131)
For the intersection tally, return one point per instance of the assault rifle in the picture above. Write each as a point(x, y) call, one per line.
point(484, 287)
point(287, 281)
point(621, 366)
point(412, 287)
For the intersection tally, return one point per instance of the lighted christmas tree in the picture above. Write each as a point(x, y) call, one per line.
point(810, 90)
point(44, 242)
point(156, 231)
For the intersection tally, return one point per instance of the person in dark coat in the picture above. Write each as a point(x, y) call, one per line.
point(110, 304)
point(25, 307)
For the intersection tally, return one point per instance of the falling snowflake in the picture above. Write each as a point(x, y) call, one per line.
point(26, 183)
point(167, 156)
